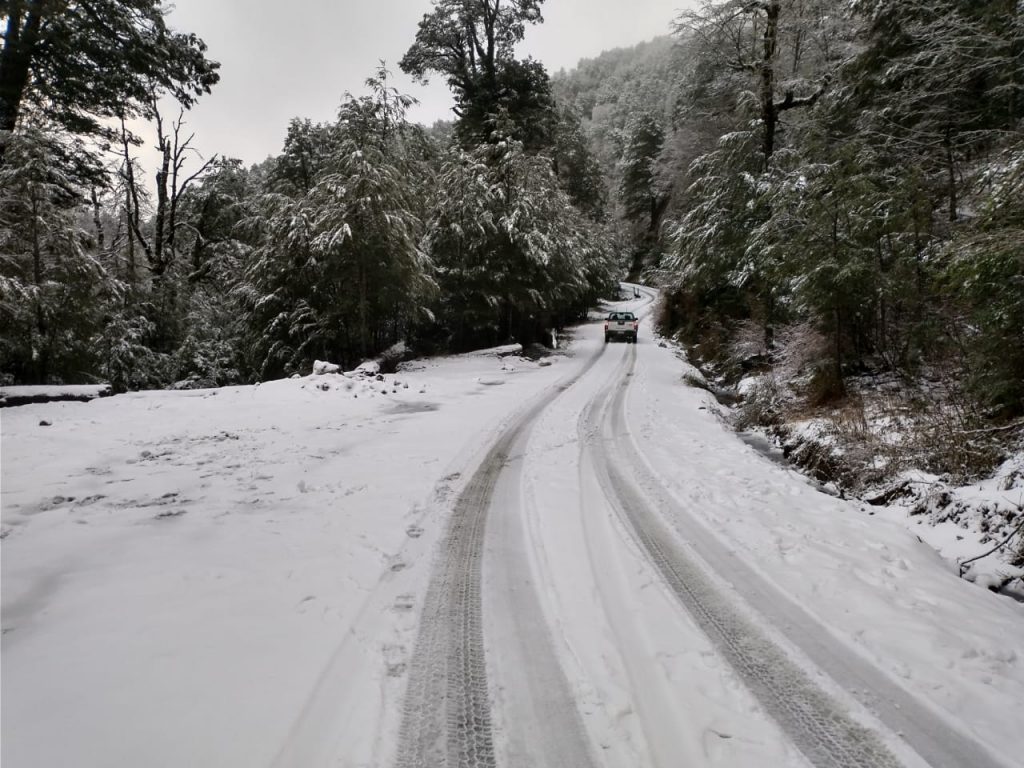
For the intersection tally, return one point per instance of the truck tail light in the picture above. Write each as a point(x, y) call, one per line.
point(606, 325)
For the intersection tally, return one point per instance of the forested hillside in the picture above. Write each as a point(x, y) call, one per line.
point(625, 99)
point(832, 192)
point(360, 233)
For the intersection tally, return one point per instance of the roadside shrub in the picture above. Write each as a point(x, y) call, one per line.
point(695, 379)
point(762, 405)
point(128, 362)
point(948, 437)
point(210, 361)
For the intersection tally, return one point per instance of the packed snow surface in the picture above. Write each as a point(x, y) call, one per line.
point(179, 568)
point(235, 577)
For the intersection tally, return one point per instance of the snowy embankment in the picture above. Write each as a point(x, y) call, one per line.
point(875, 446)
point(979, 526)
point(182, 569)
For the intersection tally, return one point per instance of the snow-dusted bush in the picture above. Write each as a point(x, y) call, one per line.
point(209, 361)
point(748, 342)
point(763, 402)
point(797, 346)
point(128, 361)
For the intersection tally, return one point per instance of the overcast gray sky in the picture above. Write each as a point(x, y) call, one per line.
point(281, 60)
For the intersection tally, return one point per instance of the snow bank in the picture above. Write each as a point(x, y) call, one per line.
point(320, 368)
point(502, 351)
point(963, 522)
point(23, 395)
point(368, 368)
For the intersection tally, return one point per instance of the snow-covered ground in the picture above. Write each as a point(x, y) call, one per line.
point(185, 573)
point(235, 577)
point(976, 525)
point(872, 447)
point(881, 592)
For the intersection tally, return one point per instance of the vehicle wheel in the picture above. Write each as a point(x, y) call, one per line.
point(634, 338)
point(606, 339)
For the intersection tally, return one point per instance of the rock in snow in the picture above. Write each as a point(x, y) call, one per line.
point(320, 368)
point(369, 368)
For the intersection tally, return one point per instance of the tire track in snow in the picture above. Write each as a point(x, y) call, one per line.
point(936, 740)
point(816, 723)
point(536, 711)
point(652, 700)
point(447, 718)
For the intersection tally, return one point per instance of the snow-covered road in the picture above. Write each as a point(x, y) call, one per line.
point(480, 561)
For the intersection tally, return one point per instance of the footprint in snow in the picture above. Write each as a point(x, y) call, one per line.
point(404, 603)
point(394, 660)
point(173, 513)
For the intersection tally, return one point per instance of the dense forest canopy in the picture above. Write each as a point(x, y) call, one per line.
point(363, 232)
point(854, 171)
point(851, 171)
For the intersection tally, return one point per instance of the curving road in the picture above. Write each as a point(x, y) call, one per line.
point(497, 678)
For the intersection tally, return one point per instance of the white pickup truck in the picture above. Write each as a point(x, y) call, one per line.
point(621, 325)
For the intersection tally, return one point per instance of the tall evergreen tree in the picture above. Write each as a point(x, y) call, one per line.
point(514, 258)
point(76, 64)
point(940, 80)
point(780, 54)
point(337, 272)
point(53, 291)
point(577, 167)
point(472, 44)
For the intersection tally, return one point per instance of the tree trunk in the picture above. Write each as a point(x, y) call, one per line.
point(158, 263)
point(40, 355)
point(131, 237)
point(883, 333)
point(838, 350)
point(947, 142)
point(769, 114)
point(132, 206)
point(20, 39)
point(659, 204)
point(97, 222)
point(797, 52)
point(363, 312)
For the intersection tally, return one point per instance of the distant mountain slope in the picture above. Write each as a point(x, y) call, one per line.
point(609, 88)
point(620, 80)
